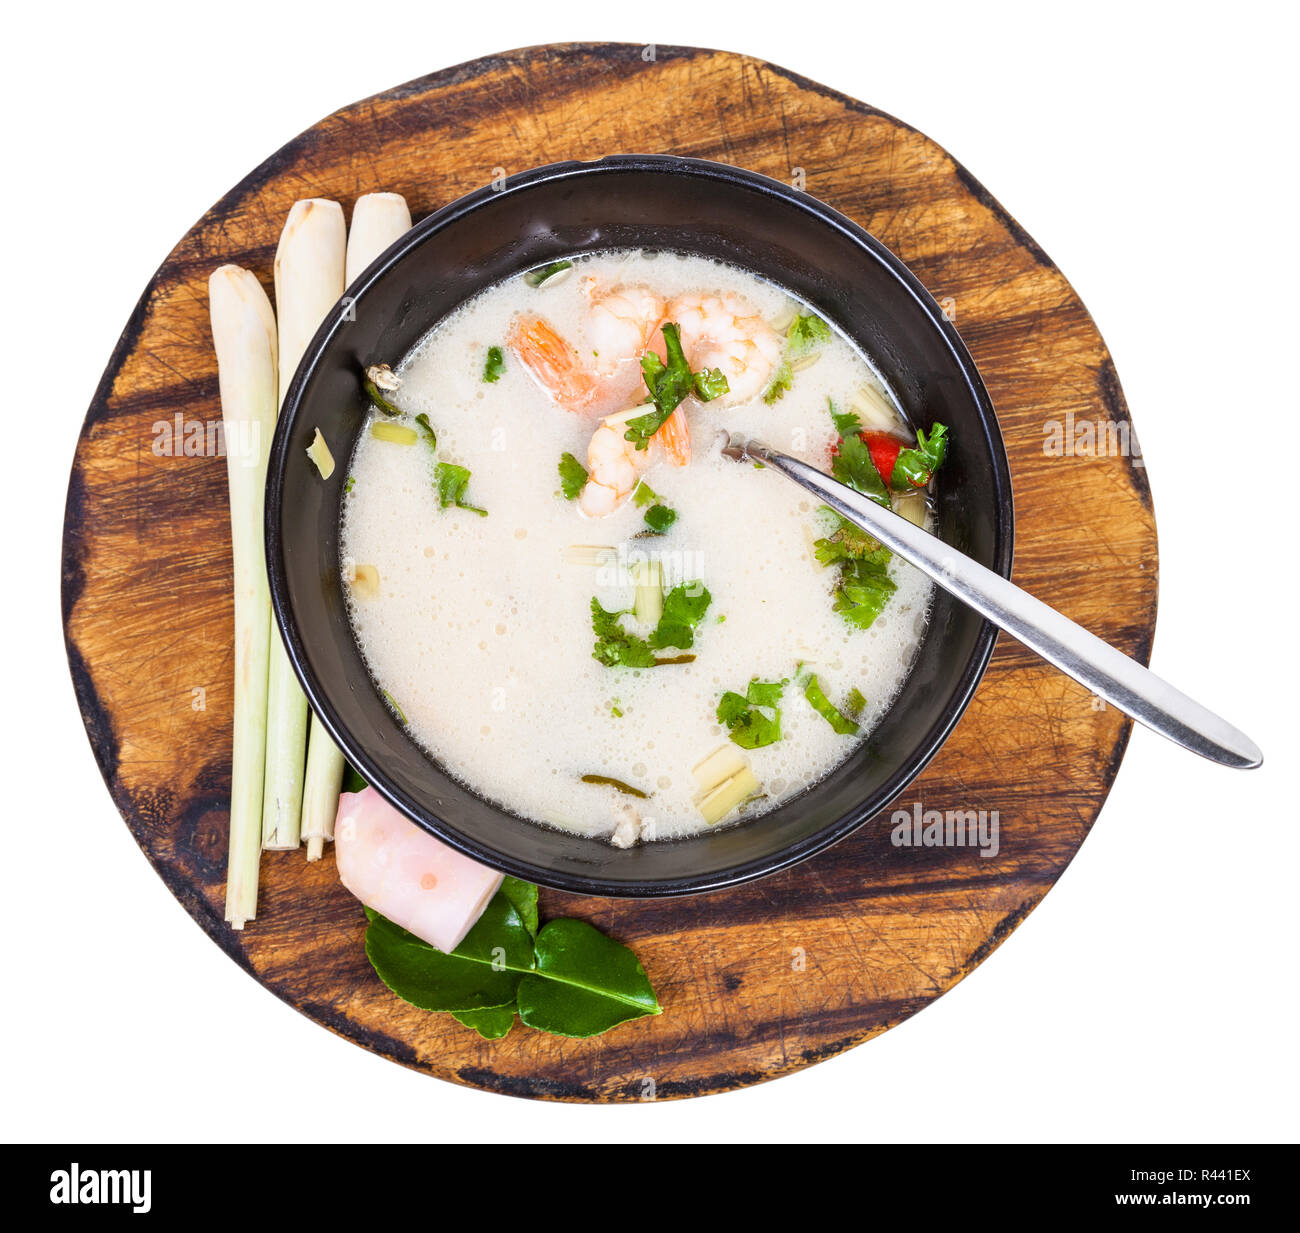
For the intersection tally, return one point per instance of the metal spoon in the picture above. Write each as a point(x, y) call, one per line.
point(1098, 666)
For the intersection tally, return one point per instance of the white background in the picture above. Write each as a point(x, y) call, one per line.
point(1149, 149)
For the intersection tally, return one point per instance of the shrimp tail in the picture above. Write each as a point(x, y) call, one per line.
point(552, 362)
point(675, 437)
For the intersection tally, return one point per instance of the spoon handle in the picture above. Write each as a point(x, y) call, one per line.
point(1098, 666)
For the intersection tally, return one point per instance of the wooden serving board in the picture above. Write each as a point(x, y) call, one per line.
point(757, 981)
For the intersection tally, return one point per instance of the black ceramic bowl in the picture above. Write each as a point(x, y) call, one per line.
point(628, 201)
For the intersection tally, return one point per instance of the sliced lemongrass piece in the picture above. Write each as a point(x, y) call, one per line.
point(378, 220)
point(398, 434)
point(243, 331)
point(649, 605)
point(728, 795)
point(593, 555)
point(799, 363)
point(718, 767)
point(911, 505)
point(309, 279)
point(622, 417)
point(319, 452)
point(320, 794)
point(364, 581)
point(874, 409)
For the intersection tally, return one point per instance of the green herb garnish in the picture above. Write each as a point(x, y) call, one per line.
point(865, 588)
point(644, 495)
point(825, 708)
point(684, 608)
point(659, 518)
point(807, 332)
point(913, 467)
point(566, 977)
point(747, 716)
point(854, 703)
point(848, 542)
point(451, 482)
point(617, 784)
point(852, 465)
point(494, 365)
point(573, 476)
point(535, 278)
point(865, 585)
point(782, 380)
point(349, 484)
point(669, 382)
point(847, 423)
point(426, 429)
point(709, 384)
point(617, 647)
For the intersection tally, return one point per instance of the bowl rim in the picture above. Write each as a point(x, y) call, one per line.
point(965, 684)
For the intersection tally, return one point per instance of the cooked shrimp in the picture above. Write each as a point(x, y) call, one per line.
point(553, 363)
point(623, 323)
point(620, 327)
point(726, 332)
point(614, 467)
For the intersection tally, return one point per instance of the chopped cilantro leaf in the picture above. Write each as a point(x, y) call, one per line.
point(852, 465)
point(864, 590)
point(659, 518)
point(710, 384)
point(451, 481)
point(684, 608)
point(668, 384)
point(745, 715)
point(854, 703)
point(615, 646)
point(573, 476)
point(847, 543)
point(807, 332)
point(494, 365)
point(913, 467)
point(847, 423)
point(782, 380)
point(826, 709)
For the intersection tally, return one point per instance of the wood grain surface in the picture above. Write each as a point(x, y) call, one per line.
point(756, 981)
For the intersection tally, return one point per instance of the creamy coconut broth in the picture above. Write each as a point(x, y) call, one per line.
point(480, 629)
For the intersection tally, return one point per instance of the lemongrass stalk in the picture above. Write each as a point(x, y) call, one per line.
point(308, 283)
point(378, 219)
point(243, 330)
